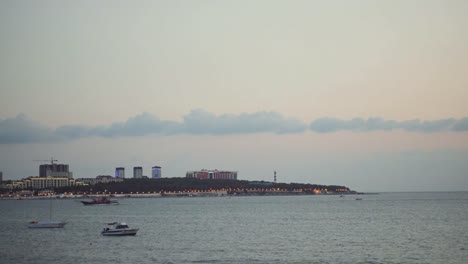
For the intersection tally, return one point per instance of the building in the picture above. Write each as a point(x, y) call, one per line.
point(38, 183)
point(51, 176)
point(212, 175)
point(99, 179)
point(120, 172)
point(137, 172)
point(55, 170)
point(156, 172)
point(106, 179)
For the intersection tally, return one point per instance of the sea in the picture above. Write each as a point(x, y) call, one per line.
point(380, 228)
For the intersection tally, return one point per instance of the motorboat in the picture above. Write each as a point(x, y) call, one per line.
point(46, 224)
point(99, 200)
point(119, 229)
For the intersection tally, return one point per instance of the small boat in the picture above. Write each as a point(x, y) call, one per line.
point(99, 200)
point(119, 229)
point(46, 224)
point(358, 199)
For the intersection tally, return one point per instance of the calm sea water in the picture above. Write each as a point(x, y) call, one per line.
point(384, 228)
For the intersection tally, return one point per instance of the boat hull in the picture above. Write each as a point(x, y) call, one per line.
point(127, 232)
point(99, 202)
point(47, 224)
point(94, 203)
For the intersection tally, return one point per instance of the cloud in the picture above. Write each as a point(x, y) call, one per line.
point(203, 122)
point(461, 125)
point(140, 125)
point(20, 129)
point(326, 125)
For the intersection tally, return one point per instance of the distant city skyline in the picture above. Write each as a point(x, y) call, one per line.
point(368, 94)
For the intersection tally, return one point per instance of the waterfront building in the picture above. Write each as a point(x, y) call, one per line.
point(50, 176)
point(120, 172)
point(38, 183)
point(88, 181)
point(156, 172)
point(106, 179)
point(212, 175)
point(138, 172)
point(99, 179)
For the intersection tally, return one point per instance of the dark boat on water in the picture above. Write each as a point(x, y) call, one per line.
point(99, 200)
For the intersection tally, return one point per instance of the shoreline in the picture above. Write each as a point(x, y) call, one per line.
point(177, 194)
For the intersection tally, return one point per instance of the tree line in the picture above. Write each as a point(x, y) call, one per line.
point(192, 184)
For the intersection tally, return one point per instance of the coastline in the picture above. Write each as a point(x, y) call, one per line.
point(174, 194)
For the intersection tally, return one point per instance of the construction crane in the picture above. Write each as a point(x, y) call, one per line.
point(51, 160)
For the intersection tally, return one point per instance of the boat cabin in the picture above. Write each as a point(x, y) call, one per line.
point(121, 226)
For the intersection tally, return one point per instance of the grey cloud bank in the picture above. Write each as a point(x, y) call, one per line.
point(327, 125)
point(203, 122)
point(20, 129)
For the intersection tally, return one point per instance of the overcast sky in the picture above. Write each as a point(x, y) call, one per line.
point(368, 94)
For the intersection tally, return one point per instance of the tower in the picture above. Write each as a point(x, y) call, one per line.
point(120, 172)
point(137, 172)
point(274, 179)
point(156, 172)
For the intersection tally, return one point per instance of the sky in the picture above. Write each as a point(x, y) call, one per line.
point(367, 94)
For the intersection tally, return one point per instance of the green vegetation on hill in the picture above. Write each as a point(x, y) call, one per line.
point(191, 184)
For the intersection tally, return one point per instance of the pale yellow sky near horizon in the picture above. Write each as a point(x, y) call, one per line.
point(94, 63)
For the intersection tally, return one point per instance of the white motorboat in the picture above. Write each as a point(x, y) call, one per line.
point(46, 224)
point(119, 229)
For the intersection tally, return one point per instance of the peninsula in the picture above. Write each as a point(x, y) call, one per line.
point(193, 187)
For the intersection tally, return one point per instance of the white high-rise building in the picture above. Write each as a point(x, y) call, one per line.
point(120, 172)
point(156, 172)
point(137, 172)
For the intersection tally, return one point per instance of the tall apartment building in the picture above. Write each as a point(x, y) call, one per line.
point(120, 172)
point(137, 172)
point(156, 172)
point(55, 170)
